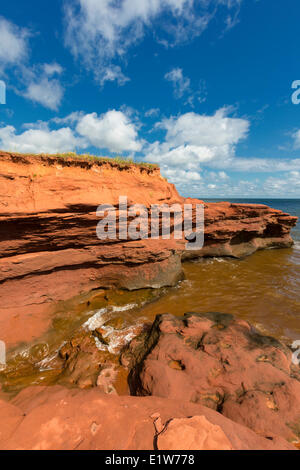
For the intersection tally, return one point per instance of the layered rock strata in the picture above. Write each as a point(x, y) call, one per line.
point(49, 250)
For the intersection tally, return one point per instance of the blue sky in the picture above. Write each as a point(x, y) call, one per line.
point(202, 87)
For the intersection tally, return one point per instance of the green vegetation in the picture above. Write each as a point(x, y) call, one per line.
point(121, 162)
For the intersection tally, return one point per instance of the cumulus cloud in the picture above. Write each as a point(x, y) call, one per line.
point(198, 151)
point(102, 31)
point(71, 118)
point(39, 140)
point(217, 130)
point(192, 139)
point(46, 92)
point(112, 130)
point(39, 82)
point(179, 176)
point(193, 142)
point(42, 86)
point(13, 44)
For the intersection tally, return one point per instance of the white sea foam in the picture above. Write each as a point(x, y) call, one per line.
point(296, 246)
point(99, 318)
point(96, 320)
point(117, 338)
point(123, 308)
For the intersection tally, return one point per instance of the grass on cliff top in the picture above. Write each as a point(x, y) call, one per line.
point(114, 161)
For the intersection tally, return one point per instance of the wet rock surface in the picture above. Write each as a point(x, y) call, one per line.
point(215, 383)
point(223, 363)
point(86, 337)
point(49, 251)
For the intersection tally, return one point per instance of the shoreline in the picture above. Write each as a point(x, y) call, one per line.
point(51, 256)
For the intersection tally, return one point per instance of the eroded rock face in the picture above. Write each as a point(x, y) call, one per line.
point(51, 418)
point(49, 250)
point(83, 362)
point(223, 363)
point(89, 359)
point(239, 230)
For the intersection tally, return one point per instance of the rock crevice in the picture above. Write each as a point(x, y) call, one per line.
point(220, 362)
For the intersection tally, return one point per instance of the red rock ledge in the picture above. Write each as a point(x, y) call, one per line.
point(48, 245)
point(223, 363)
point(215, 384)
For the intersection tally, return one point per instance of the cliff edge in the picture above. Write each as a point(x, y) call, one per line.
point(49, 250)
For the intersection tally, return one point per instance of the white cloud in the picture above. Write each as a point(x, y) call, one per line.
point(39, 140)
point(32, 82)
point(100, 31)
point(222, 175)
point(286, 184)
point(45, 91)
point(152, 112)
point(113, 73)
point(218, 176)
point(259, 165)
point(193, 139)
point(13, 44)
point(189, 156)
point(52, 69)
point(217, 130)
point(41, 85)
point(178, 176)
point(182, 87)
point(180, 83)
point(71, 118)
point(113, 131)
point(196, 150)
point(194, 143)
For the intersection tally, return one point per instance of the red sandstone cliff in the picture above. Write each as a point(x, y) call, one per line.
point(48, 245)
point(215, 383)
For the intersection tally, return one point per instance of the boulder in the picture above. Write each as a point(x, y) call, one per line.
point(223, 363)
